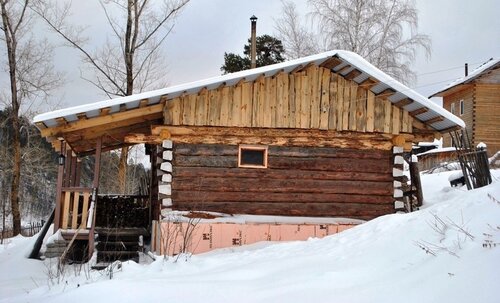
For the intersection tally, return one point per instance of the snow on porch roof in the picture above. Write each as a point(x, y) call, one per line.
point(485, 67)
point(348, 59)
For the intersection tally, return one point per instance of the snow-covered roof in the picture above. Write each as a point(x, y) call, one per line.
point(353, 60)
point(483, 68)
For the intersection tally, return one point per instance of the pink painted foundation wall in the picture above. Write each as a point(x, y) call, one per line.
point(202, 237)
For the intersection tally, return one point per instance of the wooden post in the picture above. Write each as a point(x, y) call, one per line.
point(60, 178)
point(67, 167)
point(78, 172)
point(97, 165)
point(73, 170)
point(415, 180)
point(153, 184)
point(95, 185)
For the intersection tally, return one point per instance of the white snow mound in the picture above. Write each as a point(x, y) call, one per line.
point(447, 252)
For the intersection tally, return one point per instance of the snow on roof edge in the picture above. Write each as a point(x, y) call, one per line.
point(352, 58)
point(473, 75)
point(181, 87)
point(358, 61)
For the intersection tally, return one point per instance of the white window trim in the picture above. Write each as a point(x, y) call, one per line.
point(452, 107)
point(462, 107)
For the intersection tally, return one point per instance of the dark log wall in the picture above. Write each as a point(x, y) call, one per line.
point(299, 181)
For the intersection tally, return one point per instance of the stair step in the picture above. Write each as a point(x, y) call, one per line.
point(122, 231)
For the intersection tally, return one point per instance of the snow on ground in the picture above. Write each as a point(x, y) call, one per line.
point(401, 257)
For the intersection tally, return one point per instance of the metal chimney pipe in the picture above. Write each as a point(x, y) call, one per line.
point(466, 69)
point(253, 42)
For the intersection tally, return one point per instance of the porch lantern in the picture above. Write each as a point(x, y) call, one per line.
point(61, 159)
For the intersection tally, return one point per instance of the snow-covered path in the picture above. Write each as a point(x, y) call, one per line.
point(383, 260)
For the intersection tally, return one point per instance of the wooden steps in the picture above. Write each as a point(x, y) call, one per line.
point(118, 244)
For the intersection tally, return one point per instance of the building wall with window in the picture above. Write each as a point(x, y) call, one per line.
point(310, 143)
point(452, 104)
point(292, 181)
point(481, 110)
point(487, 111)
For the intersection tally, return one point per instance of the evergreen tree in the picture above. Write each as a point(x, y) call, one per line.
point(269, 51)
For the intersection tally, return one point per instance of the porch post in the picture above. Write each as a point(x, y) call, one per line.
point(97, 165)
point(95, 185)
point(60, 178)
point(67, 167)
point(72, 180)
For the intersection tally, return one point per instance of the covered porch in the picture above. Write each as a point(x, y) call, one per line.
point(83, 211)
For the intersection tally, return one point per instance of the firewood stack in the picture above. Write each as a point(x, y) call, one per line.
point(116, 211)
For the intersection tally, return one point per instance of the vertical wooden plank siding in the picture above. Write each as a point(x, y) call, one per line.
point(353, 103)
point(314, 98)
point(333, 114)
point(370, 111)
point(235, 115)
point(305, 94)
point(246, 104)
point(314, 95)
point(280, 96)
point(292, 101)
point(325, 98)
point(361, 108)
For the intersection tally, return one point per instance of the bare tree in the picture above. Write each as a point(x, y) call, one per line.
point(382, 31)
point(31, 78)
point(298, 40)
point(131, 61)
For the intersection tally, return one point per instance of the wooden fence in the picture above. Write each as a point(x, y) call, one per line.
point(28, 230)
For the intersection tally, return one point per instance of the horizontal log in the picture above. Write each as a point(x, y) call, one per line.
point(275, 162)
point(273, 185)
point(277, 137)
point(303, 152)
point(330, 164)
point(203, 172)
point(144, 138)
point(235, 197)
point(356, 211)
point(366, 144)
point(205, 161)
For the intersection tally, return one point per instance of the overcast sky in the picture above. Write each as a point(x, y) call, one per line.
point(461, 31)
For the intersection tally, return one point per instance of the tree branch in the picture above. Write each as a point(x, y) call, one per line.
point(78, 47)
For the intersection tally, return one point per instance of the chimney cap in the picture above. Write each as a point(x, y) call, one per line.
point(253, 18)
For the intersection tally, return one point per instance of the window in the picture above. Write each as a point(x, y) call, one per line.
point(461, 107)
point(252, 156)
point(452, 108)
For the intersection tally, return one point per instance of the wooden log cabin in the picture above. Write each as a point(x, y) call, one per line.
point(321, 136)
point(475, 99)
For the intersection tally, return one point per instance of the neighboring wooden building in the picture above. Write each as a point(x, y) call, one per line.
point(321, 136)
point(475, 98)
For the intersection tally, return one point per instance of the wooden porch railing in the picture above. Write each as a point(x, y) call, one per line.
point(75, 207)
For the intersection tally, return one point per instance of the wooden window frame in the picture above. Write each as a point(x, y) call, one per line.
point(263, 148)
point(462, 107)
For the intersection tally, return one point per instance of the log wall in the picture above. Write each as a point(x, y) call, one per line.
point(299, 181)
point(314, 98)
